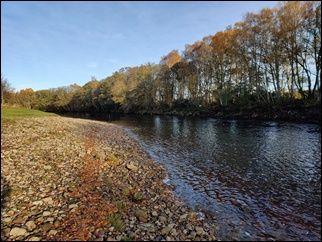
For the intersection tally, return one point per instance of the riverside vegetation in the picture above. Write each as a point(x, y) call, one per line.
point(266, 66)
point(74, 179)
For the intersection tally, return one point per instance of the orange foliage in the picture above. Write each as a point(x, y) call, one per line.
point(171, 59)
point(93, 210)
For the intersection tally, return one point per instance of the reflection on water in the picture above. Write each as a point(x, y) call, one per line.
point(258, 180)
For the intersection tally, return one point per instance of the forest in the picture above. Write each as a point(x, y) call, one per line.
point(271, 58)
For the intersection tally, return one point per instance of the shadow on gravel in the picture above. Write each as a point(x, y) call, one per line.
point(5, 191)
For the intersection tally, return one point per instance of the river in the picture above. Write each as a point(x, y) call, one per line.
point(256, 180)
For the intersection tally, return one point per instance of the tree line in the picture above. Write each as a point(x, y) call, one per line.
point(272, 57)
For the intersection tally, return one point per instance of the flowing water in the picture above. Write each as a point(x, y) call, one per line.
point(258, 180)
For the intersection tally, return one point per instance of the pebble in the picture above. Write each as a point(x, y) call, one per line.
point(7, 220)
point(48, 200)
point(34, 238)
point(72, 206)
point(111, 239)
point(167, 229)
point(46, 213)
point(141, 215)
point(183, 217)
point(30, 225)
point(199, 231)
point(50, 219)
point(20, 220)
point(10, 213)
point(52, 232)
point(131, 167)
point(162, 219)
point(15, 232)
point(192, 234)
point(37, 202)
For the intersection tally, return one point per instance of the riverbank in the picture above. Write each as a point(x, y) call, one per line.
point(76, 179)
point(297, 114)
point(294, 114)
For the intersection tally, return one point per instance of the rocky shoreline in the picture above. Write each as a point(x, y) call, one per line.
point(76, 179)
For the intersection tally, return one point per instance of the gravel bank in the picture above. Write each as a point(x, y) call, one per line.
point(76, 179)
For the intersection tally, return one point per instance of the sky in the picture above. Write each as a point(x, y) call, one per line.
point(52, 44)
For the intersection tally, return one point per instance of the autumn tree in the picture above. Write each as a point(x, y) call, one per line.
point(6, 90)
point(271, 57)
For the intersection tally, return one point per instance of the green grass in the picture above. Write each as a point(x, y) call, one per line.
point(15, 113)
point(116, 221)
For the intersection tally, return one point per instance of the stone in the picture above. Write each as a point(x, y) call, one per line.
point(119, 237)
point(48, 200)
point(50, 219)
point(99, 239)
point(162, 219)
point(10, 213)
point(189, 226)
point(37, 202)
point(73, 210)
point(174, 232)
point(47, 167)
point(111, 239)
point(20, 220)
point(46, 227)
point(52, 232)
point(131, 167)
point(46, 213)
point(154, 213)
point(192, 235)
point(40, 219)
point(167, 229)
point(72, 206)
point(199, 231)
point(34, 238)
point(56, 224)
point(16, 231)
point(141, 215)
point(5, 231)
point(30, 225)
point(183, 217)
point(7, 220)
point(99, 233)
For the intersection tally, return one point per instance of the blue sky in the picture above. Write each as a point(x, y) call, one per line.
point(52, 44)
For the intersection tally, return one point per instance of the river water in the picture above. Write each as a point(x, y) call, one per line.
point(256, 180)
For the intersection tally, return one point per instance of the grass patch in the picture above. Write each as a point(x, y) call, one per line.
point(116, 221)
point(126, 192)
point(10, 114)
point(127, 238)
point(114, 160)
point(137, 197)
point(120, 205)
